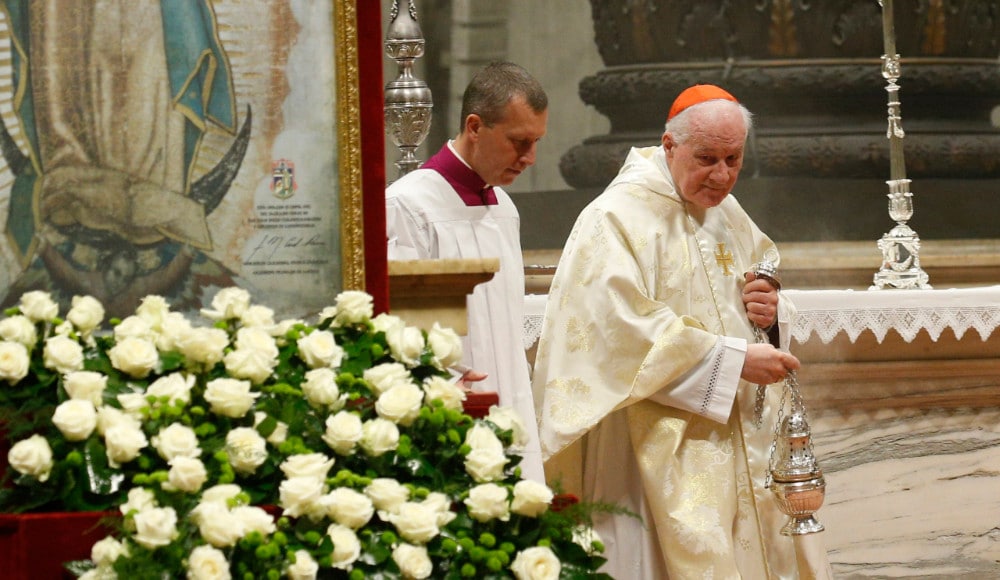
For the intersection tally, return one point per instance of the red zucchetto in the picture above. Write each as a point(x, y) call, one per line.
point(697, 94)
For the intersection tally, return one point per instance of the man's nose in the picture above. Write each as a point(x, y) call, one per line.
point(528, 156)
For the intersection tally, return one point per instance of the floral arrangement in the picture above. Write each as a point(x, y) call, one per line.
point(249, 448)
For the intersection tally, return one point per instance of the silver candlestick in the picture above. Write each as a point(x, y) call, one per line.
point(901, 245)
point(408, 102)
point(795, 476)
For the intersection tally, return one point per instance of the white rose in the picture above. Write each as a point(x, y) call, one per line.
point(482, 438)
point(487, 502)
point(255, 356)
point(86, 385)
point(406, 344)
point(249, 364)
point(379, 436)
point(531, 498)
point(133, 327)
point(413, 561)
point(14, 361)
point(343, 431)
point(441, 389)
point(208, 563)
point(281, 329)
point(175, 387)
point(154, 310)
point(280, 433)
point(203, 345)
point(227, 304)
point(349, 508)
point(173, 330)
point(186, 474)
point(485, 465)
point(537, 563)
point(320, 349)
point(229, 397)
point(133, 404)
point(76, 419)
point(221, 493)
point(246, 448)
point(304, 568)
point(124, 441)
point(400, 404)
point(20, 329)
point(254, 519)
point(155, 527)
point(107, 550)
point(307, 465)
point(32, 456)
point(86, 313)
point(38, 306)
point(63, 354)
point(587, 538)
point(385, 376)
point(139, 499)
point(300, 496)
point(387, 322)
point(108, 417)
point(176, 440)
point(446, 346)
point(218, 526)
point(258, 316)
point(320, 388)
point(415, 522)
point(346, 546)
point(353, 306)
point(440, 504)
point(136, 357)
point(387, 494)
point(507, 419)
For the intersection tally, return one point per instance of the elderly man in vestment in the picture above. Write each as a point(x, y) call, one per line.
point(453, 207)
point(648, 357)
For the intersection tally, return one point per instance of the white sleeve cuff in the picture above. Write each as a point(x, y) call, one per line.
point(709, 388)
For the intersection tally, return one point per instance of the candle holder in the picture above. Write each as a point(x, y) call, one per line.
point(901, 245)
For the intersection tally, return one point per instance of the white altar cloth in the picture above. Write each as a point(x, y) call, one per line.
point(829, 312)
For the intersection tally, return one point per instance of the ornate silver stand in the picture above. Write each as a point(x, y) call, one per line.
point(900, 246)
point(408, 102)
point(795, 476)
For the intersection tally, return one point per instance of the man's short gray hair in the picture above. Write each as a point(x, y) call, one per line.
point(680, 126)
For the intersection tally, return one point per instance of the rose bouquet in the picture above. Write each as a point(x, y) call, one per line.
point(251, 448)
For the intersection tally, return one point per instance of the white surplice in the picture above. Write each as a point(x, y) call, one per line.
point(426, 219)
point(639, 360)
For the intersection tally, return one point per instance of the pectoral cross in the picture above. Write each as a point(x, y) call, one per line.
point(723, 258)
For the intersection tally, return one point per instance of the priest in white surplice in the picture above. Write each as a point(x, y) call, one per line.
point(452, 207)
point(647, 357)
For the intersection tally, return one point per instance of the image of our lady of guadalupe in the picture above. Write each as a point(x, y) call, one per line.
point(111, 191)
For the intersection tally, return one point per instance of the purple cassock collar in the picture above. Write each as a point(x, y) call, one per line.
point(466, 182)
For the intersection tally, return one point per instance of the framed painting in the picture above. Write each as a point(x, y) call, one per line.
point(177, 148)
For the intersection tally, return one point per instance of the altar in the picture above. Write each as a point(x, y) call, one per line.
point(902, 388)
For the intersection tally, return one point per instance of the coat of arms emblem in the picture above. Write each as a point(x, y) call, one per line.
point(283, 184)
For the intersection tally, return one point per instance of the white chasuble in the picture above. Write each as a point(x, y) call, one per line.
point(635, 362)
point(426, 219)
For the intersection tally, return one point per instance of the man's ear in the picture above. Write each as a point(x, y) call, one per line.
point(668, 141)
point(473, 123)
